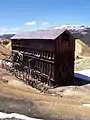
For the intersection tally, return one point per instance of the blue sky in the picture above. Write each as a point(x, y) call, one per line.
point(38, 14)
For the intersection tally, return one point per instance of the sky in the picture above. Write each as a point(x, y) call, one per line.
point(20, 15)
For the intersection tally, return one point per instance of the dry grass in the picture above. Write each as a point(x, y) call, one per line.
point(53, 105)
point(83, 63)
point(68, 104)
point(8, 46)
point(4, 53)
point(63, 109)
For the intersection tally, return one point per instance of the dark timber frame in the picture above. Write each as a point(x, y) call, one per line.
point(49, 60)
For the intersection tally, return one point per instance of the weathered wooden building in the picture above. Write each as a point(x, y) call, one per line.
point(49, 53)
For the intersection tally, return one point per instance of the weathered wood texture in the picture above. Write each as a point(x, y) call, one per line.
point(54, 58)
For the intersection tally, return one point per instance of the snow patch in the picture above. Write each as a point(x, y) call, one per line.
point(71, 27)
point(86, 105)
point(15, 115)
point(83, 74)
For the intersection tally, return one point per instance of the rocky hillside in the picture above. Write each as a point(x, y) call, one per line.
point(81, 49)
point(78, 31)
point(7, 36)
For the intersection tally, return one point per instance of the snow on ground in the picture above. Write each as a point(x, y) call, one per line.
point(15, 115)
point(83, 74)
point(86, 105)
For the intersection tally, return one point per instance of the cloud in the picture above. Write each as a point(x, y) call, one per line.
point(30, 23)
point(4, 30)
point(45, 23)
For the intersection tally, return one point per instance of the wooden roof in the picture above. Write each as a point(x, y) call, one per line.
point(40, 34)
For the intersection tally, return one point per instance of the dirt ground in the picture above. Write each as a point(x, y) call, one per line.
point(62, 103)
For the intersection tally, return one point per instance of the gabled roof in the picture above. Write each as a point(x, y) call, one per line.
point(40, 34)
